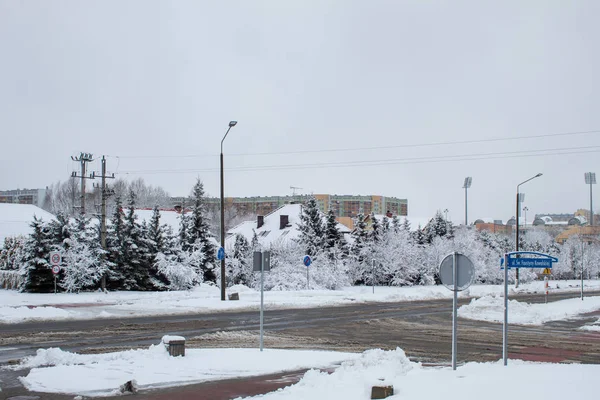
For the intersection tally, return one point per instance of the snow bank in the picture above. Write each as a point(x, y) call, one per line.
point(473, 381)
point(491, 308)
point(102, 374)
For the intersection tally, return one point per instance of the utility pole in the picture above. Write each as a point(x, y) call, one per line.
point(83, 159)
point(105, 193)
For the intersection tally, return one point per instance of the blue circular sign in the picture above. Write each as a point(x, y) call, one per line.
point(221, 254)
point(307, 261)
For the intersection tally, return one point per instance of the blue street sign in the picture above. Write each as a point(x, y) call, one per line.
point(221, 254)
point(529, 259)
point(307, 261)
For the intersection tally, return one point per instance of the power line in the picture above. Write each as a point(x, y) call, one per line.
point(431, 144)
point(394, 161)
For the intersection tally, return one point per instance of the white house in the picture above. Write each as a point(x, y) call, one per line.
point(280, 225)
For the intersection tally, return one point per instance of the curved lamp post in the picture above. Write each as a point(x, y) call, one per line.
point(231, 125)
point(517, 218)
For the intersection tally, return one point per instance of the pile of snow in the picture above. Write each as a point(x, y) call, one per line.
point(473, 381)
point(595, 327)
point(102, 374)
point(491, 308)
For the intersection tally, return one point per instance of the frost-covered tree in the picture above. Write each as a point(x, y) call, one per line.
point(178, 269)
point(115, 244)
point(135, 257)
point(83, 266)
point(36, 269)
point(333, 236)
point(311, 229)
point(375, 233)
point(438, 227)
point(200, 240)
point(156, 238)
point(239, 264)
point(12, 254)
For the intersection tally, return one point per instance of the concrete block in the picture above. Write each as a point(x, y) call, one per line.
point(381, 392)
point(234, 296)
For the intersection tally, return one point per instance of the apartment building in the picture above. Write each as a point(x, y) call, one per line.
point(24, 196)
point(342, 205)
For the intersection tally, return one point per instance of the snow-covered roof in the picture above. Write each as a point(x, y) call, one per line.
point(271, 231)
point(15, 219)
point(168, 217)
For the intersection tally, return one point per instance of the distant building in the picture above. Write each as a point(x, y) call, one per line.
point(24, 196)
point(342, 205)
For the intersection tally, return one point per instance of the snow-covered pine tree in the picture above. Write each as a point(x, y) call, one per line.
point(83, 266)
point(36, 270)
point(115, 245)
point(395, 223)
point(406, 225)
point(177, 267)
point(59, 229)
point(12, 254)
point(135, 260)
point(375, 233)
point(156, 241)
point(199, 236)
point(358, 250)
point(311, 230)
point(333, 236)
point(183, 231)
point(385, 224)
point(437, 227)
point(240, 263)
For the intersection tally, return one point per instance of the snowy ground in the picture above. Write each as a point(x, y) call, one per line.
point(19, 307)
point(491, 308)
point(102, 374)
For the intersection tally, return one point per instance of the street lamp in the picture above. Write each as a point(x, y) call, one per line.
point(519, 199)
point(525, 209)
point(231, 125)
point(466, 186)
point(590, 179)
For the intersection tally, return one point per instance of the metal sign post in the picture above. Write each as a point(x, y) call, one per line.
point(55, 260)
point(373, 275)
point(262, 263)
point(519, 259)
point(306, 261)
point(505, 326)
point(456, 273)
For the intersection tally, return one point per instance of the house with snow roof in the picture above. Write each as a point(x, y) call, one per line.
point(279, 226)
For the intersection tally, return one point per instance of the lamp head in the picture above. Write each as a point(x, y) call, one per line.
point(232, 124)
point(538, 175)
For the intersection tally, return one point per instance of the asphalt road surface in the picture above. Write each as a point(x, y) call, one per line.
point(421, 328)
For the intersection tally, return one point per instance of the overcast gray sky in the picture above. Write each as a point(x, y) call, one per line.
point(148, 83)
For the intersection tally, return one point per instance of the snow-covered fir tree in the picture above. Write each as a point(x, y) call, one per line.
point(135, 260)
point(83, 266)
point(311, 230)
point(177, 268)
point(199, 237)
point(36, 269)
point(333, 236)
point(375, 233)
point(239, 264)
point(115, 244)
point(156, 240)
